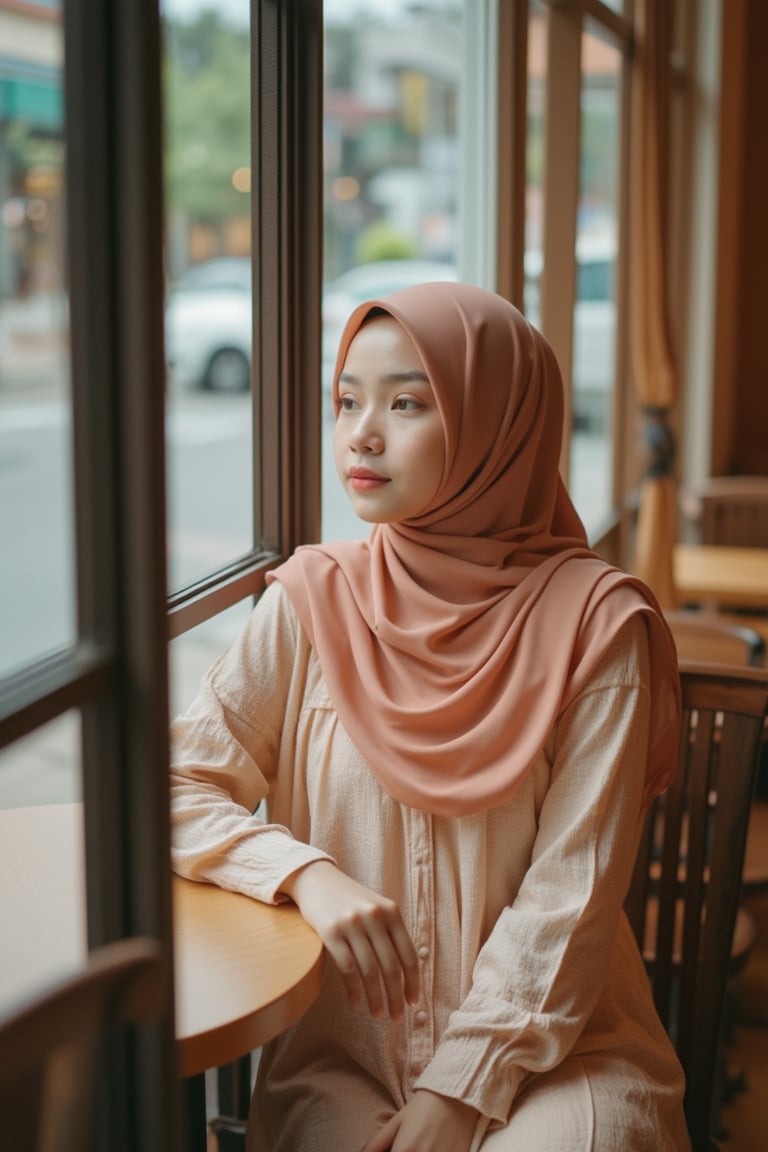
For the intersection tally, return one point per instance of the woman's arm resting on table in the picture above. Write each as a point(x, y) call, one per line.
point(224, 759)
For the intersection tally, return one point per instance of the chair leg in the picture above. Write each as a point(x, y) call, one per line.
point(229, 1133)
point(234, 1082)
point(234, 1088)
point(193, 1091)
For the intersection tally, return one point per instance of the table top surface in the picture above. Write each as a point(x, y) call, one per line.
point(245, 971)
point(737, 576)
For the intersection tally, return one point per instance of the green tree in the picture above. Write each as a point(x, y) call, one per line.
point(380, 241)
point(27, 148)
point(207, 129)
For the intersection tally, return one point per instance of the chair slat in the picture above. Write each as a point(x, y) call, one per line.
point(52, 1048)
point(689, 866)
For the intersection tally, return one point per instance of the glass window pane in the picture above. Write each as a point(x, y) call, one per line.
point(37, 586)
point(192, 654)
point(594, 331)
point(391, 158)
point(44, 767)
point(208, 328)
point(39, 784)
point(534, 176)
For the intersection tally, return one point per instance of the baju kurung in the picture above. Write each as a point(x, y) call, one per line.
point(534, 1004)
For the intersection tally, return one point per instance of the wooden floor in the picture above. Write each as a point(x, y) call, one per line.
point(745, 1118)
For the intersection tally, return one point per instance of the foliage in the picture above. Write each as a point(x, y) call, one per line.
point(207, 129)
point(599, 164)
point(339, 54)
point(380, 241)
point(27, 149)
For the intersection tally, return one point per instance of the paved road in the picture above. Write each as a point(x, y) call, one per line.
point(209, 509)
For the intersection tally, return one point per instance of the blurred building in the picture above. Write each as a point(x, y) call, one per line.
point(31, 146)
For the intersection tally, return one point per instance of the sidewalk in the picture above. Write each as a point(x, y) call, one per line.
point(34, 342)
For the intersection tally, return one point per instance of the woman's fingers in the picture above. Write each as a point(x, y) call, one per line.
point(386, 960)
point(372, 963)
point(384, 956)
point(383, 1139)
point(364, 934)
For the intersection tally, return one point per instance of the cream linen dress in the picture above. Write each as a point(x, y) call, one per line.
point(534, 1004)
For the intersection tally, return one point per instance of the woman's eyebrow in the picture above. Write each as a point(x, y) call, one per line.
point(414, 375)
point(409, 374)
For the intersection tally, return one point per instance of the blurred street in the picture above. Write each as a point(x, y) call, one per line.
point(209, 472)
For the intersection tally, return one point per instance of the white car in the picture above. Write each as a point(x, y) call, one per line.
point(208, 326)
point(366, 282)
point(208, 334)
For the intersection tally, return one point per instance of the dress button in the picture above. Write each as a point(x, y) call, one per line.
point(423, 951)
point(421, 1016)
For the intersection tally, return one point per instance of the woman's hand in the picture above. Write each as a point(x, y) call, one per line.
point(364, 934)
point(428, 1123)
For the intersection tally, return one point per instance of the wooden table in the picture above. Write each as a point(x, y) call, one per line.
point(730, 576)
point(245, 971)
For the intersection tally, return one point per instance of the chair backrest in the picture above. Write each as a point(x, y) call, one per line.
point(51, 1048)
point(706, 637)
point(730, 510)
point(684, 895)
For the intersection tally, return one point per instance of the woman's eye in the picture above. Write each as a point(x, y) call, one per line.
point(347, 403)
point(405, 404)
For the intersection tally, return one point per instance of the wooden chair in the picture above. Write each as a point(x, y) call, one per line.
point(755, 878)
point(52, 1046)
point(730, 510)
point(708, 637)
point(684, 896)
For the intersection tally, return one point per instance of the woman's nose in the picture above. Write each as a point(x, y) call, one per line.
point(365, 434)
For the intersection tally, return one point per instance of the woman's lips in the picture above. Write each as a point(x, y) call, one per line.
point(363, 480)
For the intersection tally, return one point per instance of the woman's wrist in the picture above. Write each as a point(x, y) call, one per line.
point(292, 885)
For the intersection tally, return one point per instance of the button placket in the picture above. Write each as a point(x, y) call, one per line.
point(421, 1019)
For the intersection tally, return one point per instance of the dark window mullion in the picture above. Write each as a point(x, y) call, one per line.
point(46, 689)
point(266, 71)
point(287, 255)
point(218, 592)
point(115, 204)
point(304, 263)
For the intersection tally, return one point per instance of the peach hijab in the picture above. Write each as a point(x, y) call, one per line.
point(451, 642)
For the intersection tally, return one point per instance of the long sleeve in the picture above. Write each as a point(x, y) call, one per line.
point(226, 751)
point(541, 972)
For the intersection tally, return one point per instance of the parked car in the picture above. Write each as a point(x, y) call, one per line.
point(365, 282)
point(208, 325)
point(208, 318)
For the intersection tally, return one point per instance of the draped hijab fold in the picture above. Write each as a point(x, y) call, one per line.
point(451, 642)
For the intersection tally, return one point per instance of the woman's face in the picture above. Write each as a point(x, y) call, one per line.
point(389, 444)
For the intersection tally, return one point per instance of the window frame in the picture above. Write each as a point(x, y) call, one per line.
point(116, 672)
point(566, 23)
point(286, 230)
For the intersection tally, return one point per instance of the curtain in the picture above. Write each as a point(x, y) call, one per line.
point(653, 367)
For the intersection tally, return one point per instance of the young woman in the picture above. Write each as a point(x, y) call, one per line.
point(455, 725)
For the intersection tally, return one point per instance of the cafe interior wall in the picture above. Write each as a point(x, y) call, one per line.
point(739, 437)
